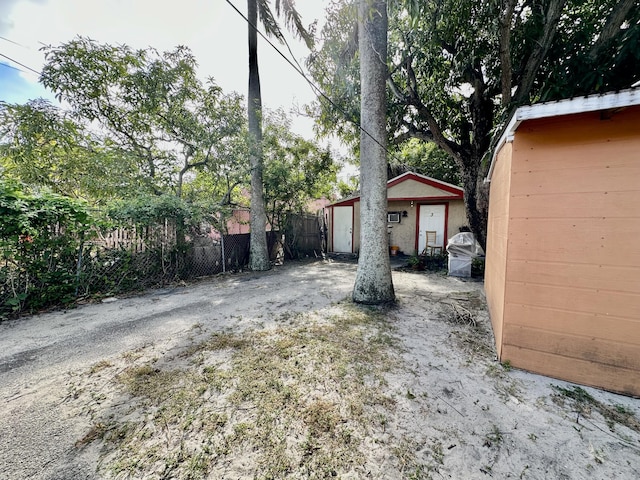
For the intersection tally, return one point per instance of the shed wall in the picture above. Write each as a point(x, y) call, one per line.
point(328, 218)
point(572, 288)
point(403, 234)
point(457, 217)
point(497, 241)
point(356, 227)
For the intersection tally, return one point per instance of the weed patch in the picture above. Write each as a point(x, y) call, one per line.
point(582, 403)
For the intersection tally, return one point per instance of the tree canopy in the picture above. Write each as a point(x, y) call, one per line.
point(296, 170)
point(457, 70)
point(44, 146)
point(147, 106)
point(139, 124)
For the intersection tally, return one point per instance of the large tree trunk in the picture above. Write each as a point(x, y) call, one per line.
point(373, 280)
point(258, 251)
point(476, 202)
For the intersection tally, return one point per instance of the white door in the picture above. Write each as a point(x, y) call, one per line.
point(343, 229)
point(431, 218)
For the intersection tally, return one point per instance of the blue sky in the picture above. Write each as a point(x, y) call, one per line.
point(15, 88)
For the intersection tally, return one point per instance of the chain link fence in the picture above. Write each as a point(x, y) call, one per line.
point(128, 260)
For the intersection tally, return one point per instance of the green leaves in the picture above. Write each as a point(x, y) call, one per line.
point(292, 20)
point(458, 70)
point(595, 50)
point(296, 170)
point(428, 159)
point(34, 215)
point(40, 236)
point(46, 147)
point(145, 210)
point(150, 107)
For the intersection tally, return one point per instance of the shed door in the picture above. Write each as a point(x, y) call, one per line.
point(432, 217)
point(343, 229)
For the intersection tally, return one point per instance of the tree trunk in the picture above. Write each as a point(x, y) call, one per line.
point(258, 252)
point(373, 283)
point(476, 202)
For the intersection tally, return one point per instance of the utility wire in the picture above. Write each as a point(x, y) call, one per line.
point(11, 41)
point(21, 64)
point(296, 67)
point(299, 70)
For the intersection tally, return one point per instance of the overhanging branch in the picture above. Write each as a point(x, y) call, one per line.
point(539, 51)
point(611, 28)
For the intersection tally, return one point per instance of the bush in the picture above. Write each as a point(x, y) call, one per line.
point(433, 263)
point(40, 238)
point(477, 267)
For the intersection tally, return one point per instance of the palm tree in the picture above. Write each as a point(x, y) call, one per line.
point(373, 284)
point(259, 254)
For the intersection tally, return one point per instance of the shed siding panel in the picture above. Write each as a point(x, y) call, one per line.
point(497, 242)
point(590, 349)
point(572, 301)
point(457, 217)
point(573, 323)
point(597, 241)
point(403, 234)
point(594, 204)
point(330, 228)
point(575, 370)
point(578, 275)
point(356, 227)
point(567, 181)
point(579, 300)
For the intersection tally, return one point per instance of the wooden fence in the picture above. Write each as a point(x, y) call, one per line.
point(305, 235)
point(139, 240)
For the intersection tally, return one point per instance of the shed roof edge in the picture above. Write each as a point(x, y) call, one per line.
point(570, 106)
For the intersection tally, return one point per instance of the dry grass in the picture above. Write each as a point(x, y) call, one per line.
point(292, 401)
point(317, 395)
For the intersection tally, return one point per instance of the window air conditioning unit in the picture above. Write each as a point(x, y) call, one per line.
point(393, 217)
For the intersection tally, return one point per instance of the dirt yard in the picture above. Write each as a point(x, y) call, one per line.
point(278, 375)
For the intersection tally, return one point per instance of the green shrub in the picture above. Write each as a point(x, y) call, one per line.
point(40, 239)
point(477, 267)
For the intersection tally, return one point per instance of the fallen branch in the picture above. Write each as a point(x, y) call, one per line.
point(459, 314)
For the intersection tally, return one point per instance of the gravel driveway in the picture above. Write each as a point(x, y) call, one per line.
point(451, 410)
point(37, 354)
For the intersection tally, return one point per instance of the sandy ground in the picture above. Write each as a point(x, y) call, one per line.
point(438, 406)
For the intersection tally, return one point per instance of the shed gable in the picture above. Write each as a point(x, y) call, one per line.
point(411, 188)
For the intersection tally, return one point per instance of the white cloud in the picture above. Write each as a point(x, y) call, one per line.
point(216, 34)
point(5, 8)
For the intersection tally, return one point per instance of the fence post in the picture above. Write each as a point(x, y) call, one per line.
point(224, 261)
point(79, 264)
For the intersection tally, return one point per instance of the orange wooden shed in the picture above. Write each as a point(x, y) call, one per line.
point(563, 250)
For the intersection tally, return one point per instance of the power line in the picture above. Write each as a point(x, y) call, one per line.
point(15, 43)
point(21, 64)
point(317, 89)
